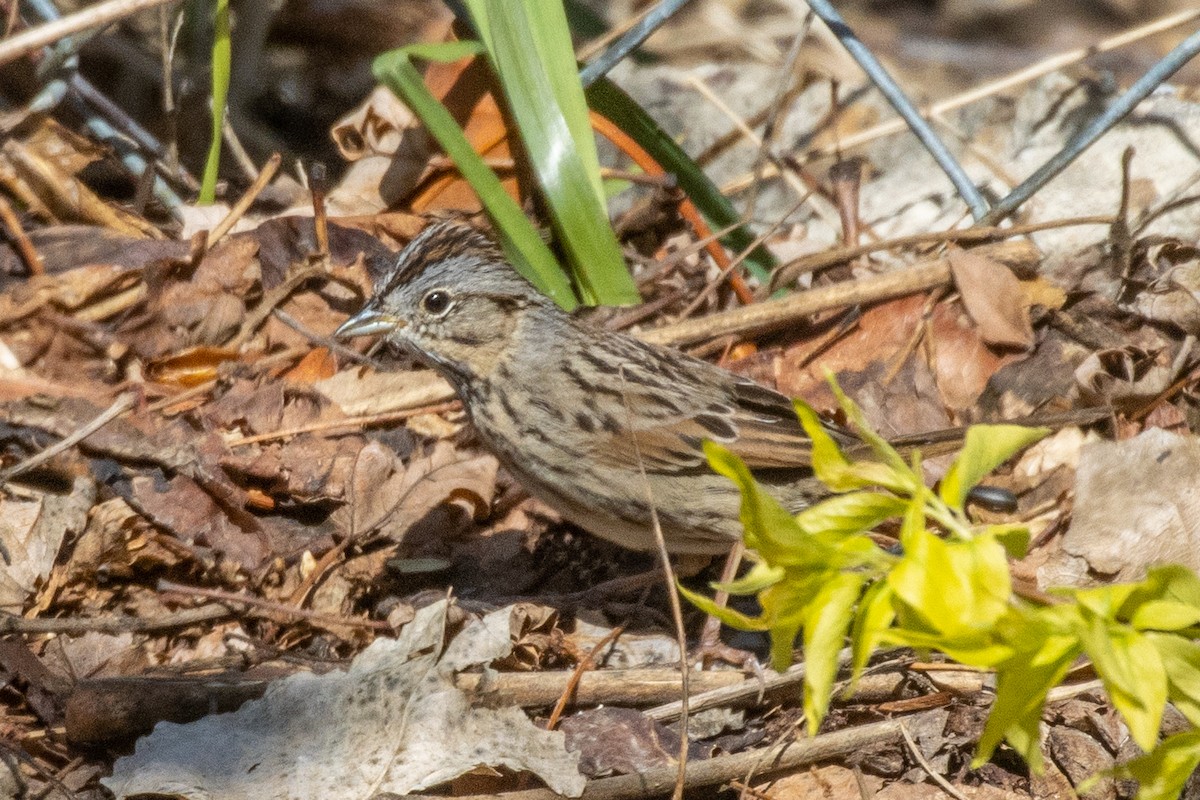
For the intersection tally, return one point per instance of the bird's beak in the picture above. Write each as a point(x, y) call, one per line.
point(367, 322)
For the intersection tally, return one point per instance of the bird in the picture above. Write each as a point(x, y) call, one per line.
point(599, 425)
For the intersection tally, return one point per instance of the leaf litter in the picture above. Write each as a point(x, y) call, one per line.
point(262, 463)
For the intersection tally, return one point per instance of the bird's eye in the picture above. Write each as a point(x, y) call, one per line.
point(436, 302)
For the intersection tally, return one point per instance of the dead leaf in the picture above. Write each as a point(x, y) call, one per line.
point(1136, 506)
point(392, 500)
point(363, 391)
point(394, 722)
point(317, 365)
point(185, 509)
point(191, 366)
point(994, 299)
point(1174, 297)
point(829, 783)
point(619, 741)
point(962, 362)
point(1122, 377)
point(31, 534)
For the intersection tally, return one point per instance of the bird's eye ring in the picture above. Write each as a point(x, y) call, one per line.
point(436, 301)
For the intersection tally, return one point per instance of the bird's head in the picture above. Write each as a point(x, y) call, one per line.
point(453, 299)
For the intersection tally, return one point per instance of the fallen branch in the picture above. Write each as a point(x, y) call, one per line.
point(114, 624)
point(714, 771)
point(777, 313)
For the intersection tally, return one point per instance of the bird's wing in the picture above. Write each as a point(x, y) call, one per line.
point(671, 411)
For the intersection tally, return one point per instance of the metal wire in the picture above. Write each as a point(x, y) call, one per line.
point(629, 41)
point(904, 107)
point(1120, 108)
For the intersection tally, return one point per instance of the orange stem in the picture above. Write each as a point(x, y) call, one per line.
point(625, 143)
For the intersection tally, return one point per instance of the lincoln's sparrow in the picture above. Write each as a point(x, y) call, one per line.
point(576, 412)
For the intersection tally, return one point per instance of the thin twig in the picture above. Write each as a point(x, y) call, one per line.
point(349, 422)
point(980, 233)
point(586, 663)
point(328, 342)
point(271, 607)
point(712, 285)
point(241, 156)
point(721, 769)
point(246, 200)
point(119, 407)
point(770, 126)
point(1014, 79)
point(275, 297)
point(947, 787)
point(672, 595)
point(1167, 66)
point(20, 240)
point(778, 312)
point(317, 187)
point(1021, 76)
point(33, 39)
point(789, 177)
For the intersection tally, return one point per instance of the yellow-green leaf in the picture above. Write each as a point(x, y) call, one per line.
point(1013, 537)
point(1132, 672)
point(874, 617)
point(1181, 661)
point(840, 474)
point(763, 518)
point(846, 514)
point(1021, 686)
point(986, 447)
point(825, 627)
point(957, 588)
point(759, 577)
point(880, 446)
point(734, 619)
point(1162, 773)
point(1168, 599)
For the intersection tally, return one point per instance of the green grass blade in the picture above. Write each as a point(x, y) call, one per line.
point(518, 237)
point(530, 48)
point(221, 53)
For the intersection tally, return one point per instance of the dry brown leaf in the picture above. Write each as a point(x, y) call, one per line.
point(374, 488)
point(994, 299)
point(618, 741)
point(1173, 298)
point(1123, 377)
point(317, 365)
point(190, 366)
point(829, 783)
point(961, 361)
point(931, 791)
point(32, 532)
point(362, 390)
point(393, 500)
point(881, 332)
point(182, 507)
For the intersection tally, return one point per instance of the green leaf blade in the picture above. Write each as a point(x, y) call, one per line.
point(986, 447)
point(826, 623)
point(551, 114)
point(518, 238)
